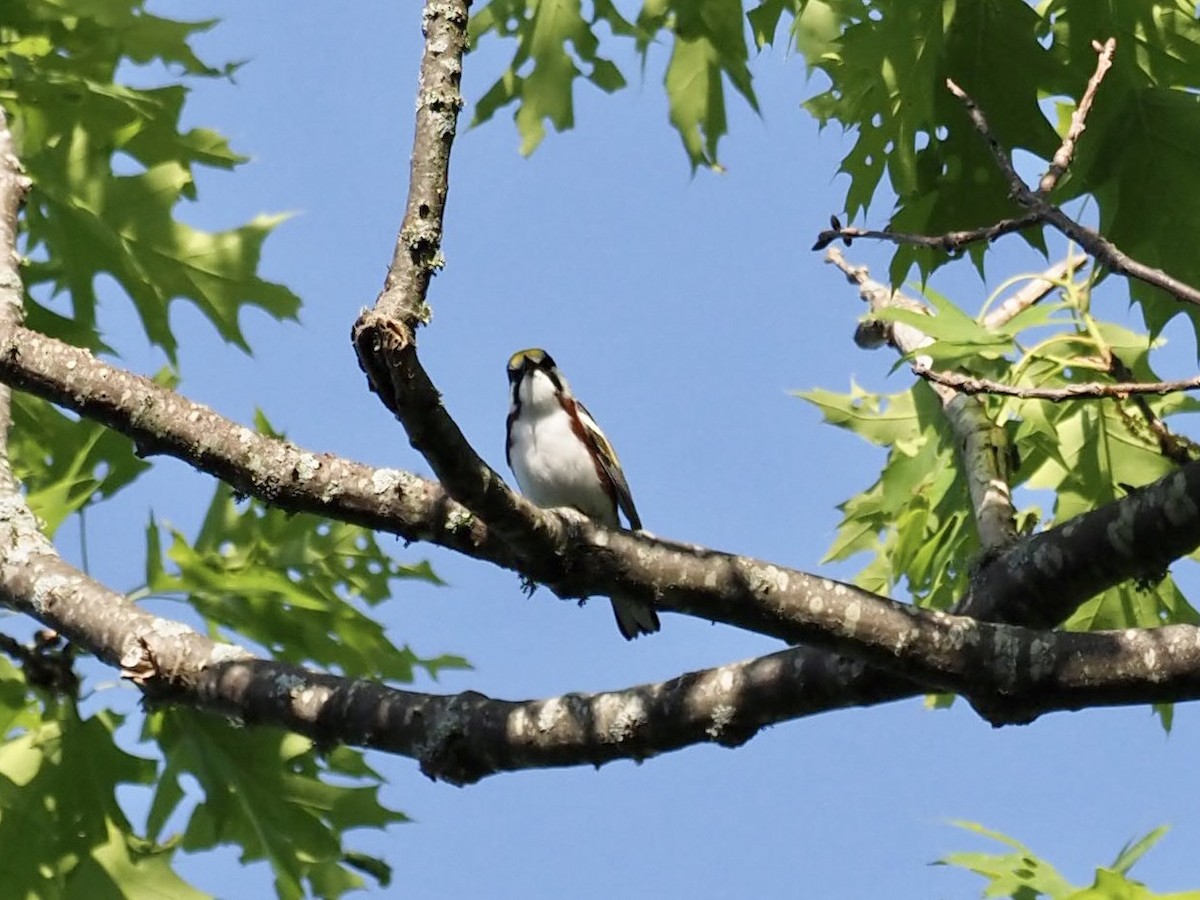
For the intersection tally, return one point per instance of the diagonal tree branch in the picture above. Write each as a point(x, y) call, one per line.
point(982, 446)
point(384, 337)
point(1038, 210)
point(1033, 291)
point(1066, 151)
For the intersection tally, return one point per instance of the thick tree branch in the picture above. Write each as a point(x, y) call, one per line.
point(384, 337)
point(592, 560)
point(1011, 673)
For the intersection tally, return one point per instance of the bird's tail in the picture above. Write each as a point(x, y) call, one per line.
point(634, 617)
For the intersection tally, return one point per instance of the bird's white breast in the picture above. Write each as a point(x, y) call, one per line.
point(552, 465)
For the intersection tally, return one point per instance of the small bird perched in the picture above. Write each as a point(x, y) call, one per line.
point(562, 458)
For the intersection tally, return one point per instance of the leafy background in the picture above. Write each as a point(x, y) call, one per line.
point(684, 309)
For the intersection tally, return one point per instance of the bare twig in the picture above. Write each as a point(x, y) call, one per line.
point(968, 384)
point(1103, 250)
point(1062, 157)
point(1116, 260)
point(999, 153)
point(951, 242)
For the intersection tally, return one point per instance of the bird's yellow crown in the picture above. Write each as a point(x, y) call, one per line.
point(534, 354)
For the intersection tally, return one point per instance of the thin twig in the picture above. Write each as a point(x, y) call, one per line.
point(1116, 260)
point(951, 242)
point(967, 384)
point(999, 154)
point(1062, 158)
point(1174, 447)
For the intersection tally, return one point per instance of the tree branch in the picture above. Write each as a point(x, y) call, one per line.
point(1033, 291)
point(1038, 211)
point(1012, 673)
point(967, 384)
point(951, 242)
point(1062, 157)
point(982, 446)
point(384, 337)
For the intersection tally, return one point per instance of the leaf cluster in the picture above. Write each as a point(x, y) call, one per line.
point(110, 167)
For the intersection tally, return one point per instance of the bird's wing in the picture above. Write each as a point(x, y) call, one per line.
point(610, 463)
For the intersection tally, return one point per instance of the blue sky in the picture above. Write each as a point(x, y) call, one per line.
point(684, 310)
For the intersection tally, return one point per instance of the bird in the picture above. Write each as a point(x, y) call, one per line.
point(560, 457)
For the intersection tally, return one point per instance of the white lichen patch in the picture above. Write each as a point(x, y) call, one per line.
point(459, 518)
point(385, 481)
point(310, 698)
point(726, 680)
point(904, 638)
point(169, 628)
point(44, 590)
point(550, 714)
point(851, 618)
point(225, 653)
point(307, 466)
point(288, 683)
point(1041, 657)
point(766, 578)
point(962, 632)
point(1048, 558)
point(722, 715)
point(1004, 665)
point(623, 714)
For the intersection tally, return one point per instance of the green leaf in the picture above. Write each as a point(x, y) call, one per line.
point(710, 46)
point(544, 29)
point(888, 73)
point(1135, 850)
point(58, 803)
point(876, 418)
point(18, 709)
point(71, 122)
point(271, 794)
point(295, 584)
point(956, 335)
point(66, 464)
point(1020, 874)
point(915, 518)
